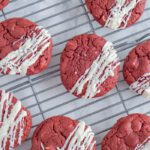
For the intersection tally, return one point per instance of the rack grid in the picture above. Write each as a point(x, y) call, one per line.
point(44, 94)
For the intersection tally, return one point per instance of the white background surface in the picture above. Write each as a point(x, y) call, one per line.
point(64, 19)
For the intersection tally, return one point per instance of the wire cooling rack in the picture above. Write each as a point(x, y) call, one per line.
point(44, 95)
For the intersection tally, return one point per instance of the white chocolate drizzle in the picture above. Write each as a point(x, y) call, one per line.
point(18, 61)
point(144, 146)
point(121, 13)
point(42, 146)
point(98, 72)
point(81, 138)
point(11, 121)
point(142, 85)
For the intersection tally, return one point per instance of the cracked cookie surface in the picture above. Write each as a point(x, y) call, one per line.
point(136, 69)
point(116, 14)
point(89, 66)
point(128, 133)
point(59, 133)
point(3, 3)
point(137, 62)
point(25, 48)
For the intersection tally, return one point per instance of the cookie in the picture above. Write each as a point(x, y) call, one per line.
point(129, 133)
point(89, 66)
point(116, 14)
point(3, 3)
point(136, 69)
point(15, 121)
point(25, 48)
point(63, 133)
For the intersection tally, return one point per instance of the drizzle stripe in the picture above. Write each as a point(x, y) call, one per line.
point(20, 60)
point(99, 71)
point(42, 146)
point(10, 123)
point(144, 146)
point(142, 85)
point(81, 138)
point(121, 13)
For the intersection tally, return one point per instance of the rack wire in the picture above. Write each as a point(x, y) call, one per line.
point(44, 94)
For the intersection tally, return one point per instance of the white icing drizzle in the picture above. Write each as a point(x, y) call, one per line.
point(99, 71)
point(20, 60)
point(42, 146)
point(10, 120)
point(144, 146)
point(121, 13)
point(142, 85)
point(81, 138)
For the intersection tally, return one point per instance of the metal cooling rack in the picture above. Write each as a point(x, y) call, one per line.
point(44, 95)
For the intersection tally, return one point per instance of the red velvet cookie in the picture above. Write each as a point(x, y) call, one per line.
point(136, 69)
point(15, 121)
point(116, 14)
point(3, 3)
point(129, 133)
point(25, 48)
point(89, 66)
point(63, 133)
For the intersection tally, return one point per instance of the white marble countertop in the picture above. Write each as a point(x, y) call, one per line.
point(64, 19)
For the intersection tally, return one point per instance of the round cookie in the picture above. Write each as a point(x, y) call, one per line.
point(3, 3)
point(136, 69)
point(63, 133)
point(15, 121)
point(116, 14)
point(89, 66)
point(129, 133)
point(25, 48)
